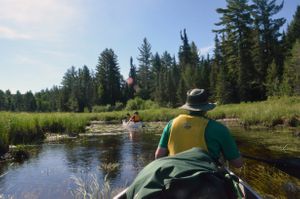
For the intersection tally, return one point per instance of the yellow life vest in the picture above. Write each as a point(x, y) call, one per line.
point(187, 132)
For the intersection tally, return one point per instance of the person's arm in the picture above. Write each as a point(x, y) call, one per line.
point(131, 119)
point(161, 152)
point(228, 145)
point(162, 149)
point(237, 163)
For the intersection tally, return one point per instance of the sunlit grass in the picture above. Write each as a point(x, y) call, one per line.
point(275, 111)
point(23, 128)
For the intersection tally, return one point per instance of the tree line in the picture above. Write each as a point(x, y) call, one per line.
point(253, 59)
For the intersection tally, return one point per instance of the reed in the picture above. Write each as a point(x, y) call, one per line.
point(88, 187)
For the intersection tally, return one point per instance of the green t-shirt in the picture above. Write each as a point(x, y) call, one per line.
point(217, 137)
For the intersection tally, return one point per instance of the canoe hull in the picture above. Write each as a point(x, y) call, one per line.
point(248, 192)
point(132, 125)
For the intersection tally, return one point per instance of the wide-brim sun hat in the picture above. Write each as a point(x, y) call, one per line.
point(197, 100)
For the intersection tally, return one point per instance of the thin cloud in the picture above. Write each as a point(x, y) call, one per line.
point(206, 50)
point(8, 33)
point(39, 18)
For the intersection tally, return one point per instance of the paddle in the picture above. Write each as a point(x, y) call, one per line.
point(289, 165)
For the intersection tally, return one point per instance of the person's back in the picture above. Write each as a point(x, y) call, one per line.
point(195, 130)
point(135, 117)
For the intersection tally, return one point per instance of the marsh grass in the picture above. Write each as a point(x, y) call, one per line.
point(88, 187)
point(23, 128)
point(275, 111)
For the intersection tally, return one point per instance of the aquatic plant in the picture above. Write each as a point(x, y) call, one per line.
point(88, 187)
point(109, 167)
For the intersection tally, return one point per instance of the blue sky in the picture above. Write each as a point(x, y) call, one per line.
point(41, 39)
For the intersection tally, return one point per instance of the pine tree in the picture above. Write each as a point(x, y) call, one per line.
point(273, 81)
point(223, 87)
point(29, 102)
point(18, 101)
point(291, 75)
point(68, 100)
point(108, 78)
point(156, 84)
point(187, 63)
point(9, 101)
point(85, 89)
point(133, 76)
point(215, 67)
point(144, 75)
point(3, 104)
point(267, 43)
point(293, 32)
point(236, 23)
point(167, 79)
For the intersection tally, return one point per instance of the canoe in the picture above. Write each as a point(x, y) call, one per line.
point(246, 190)
point(135, 126)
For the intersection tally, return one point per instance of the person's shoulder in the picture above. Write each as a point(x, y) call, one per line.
point(216, 125)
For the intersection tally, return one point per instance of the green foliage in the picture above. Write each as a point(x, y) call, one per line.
point(99, 109)
point(144, 75)
point(140, 104)
point(291, 76)
point(293, 32)
point(4, 131)
point(108, 78)
point(107, 108)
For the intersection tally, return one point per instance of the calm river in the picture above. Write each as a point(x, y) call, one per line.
point(70, 168)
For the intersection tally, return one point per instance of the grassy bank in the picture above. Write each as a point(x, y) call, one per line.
point(23, 128)
point(276, 111)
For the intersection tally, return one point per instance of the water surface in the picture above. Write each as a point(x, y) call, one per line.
point(52, 172)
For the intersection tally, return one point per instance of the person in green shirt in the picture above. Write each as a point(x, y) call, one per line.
point(196, 130)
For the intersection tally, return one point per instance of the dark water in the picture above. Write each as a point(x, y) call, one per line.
point(55, 170)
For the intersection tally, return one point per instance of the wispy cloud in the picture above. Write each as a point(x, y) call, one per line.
point(38, 18)
point(206, 50)
point(9, 33)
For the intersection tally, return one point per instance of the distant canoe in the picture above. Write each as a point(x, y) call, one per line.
point(135, 126)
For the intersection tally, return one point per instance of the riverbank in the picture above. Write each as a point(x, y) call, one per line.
point(28, 128)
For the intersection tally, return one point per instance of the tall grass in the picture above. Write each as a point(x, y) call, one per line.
point(285, 110)
point(22, 128)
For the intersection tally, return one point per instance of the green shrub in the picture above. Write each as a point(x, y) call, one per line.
point(119, 106)
point(100, 109)
point(140, 104)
